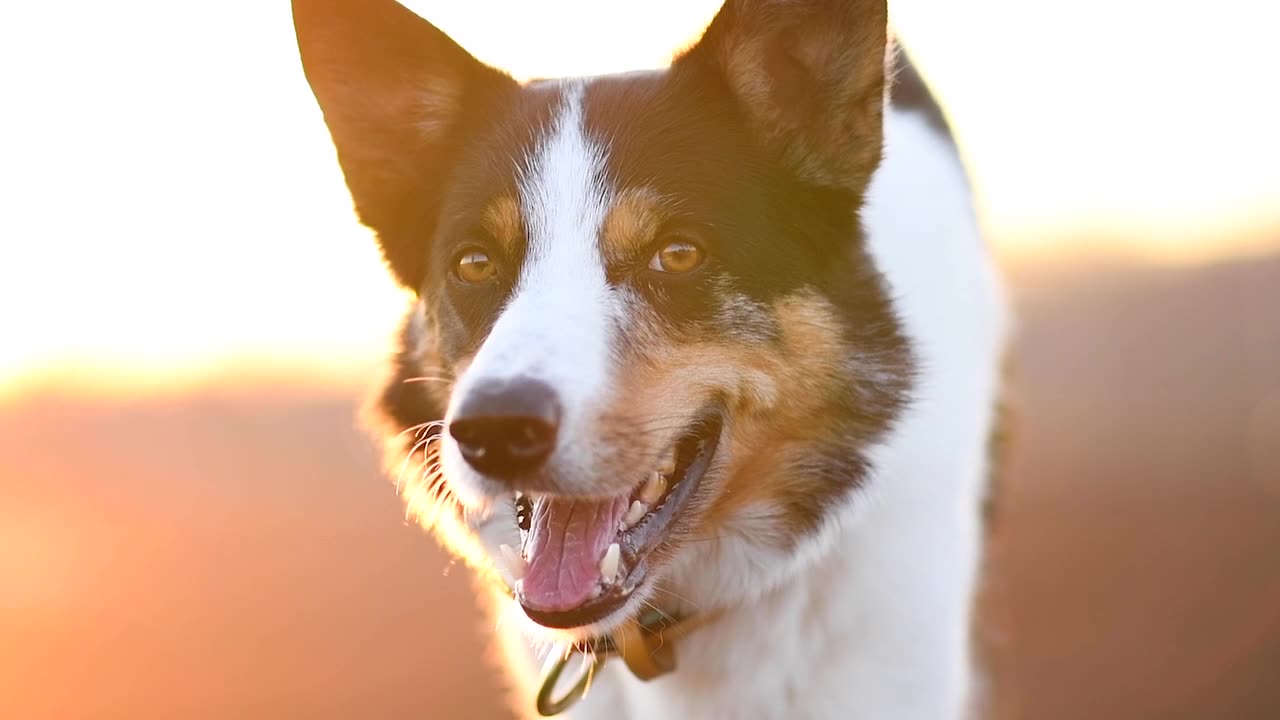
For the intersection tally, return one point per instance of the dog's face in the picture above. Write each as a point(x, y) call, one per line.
point(648, 345)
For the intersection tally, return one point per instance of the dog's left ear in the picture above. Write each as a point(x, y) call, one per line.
point(809, 75)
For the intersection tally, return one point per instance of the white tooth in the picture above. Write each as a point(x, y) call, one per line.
point(653, 489)
point(637, 511)
point(516, 565)
point(609, 565)
point(668, 465)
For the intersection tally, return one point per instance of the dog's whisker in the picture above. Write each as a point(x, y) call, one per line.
point(421, 427)
point(672, 593)
point(409, 456)
point(426, 379)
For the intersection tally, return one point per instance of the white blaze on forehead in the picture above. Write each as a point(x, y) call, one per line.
point(556, 326)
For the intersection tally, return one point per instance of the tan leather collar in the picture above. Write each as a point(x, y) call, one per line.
point(646, 644)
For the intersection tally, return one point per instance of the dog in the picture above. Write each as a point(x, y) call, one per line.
point(701, 364)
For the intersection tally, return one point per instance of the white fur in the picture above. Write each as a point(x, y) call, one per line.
point(556, 327)
point(873, 613)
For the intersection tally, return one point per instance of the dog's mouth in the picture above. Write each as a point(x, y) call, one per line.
point(581, 559)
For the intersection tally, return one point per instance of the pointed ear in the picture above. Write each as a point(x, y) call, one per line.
point(398, 96)
point(809, 75)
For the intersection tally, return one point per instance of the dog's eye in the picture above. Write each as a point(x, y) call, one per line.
point(473, 266)
point(680, 256)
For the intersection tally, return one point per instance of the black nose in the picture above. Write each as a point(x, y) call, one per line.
point(508, 429)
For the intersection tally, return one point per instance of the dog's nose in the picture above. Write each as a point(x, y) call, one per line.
point(508, 429)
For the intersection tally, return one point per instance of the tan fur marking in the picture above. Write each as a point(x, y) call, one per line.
point(503, 221)
point(766, 451)
point(633, 222)
point(778, 397)
point(660, 394)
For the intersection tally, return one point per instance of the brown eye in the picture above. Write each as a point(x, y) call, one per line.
point(680, 256)
point(474, 267)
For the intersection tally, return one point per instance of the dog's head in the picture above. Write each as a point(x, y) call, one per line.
point(648, 344)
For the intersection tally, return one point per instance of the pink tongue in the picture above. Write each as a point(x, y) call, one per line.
point(567, 541)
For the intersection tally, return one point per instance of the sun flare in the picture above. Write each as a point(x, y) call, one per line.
point(173, 209)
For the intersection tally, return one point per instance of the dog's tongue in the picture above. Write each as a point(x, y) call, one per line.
point(567, 540)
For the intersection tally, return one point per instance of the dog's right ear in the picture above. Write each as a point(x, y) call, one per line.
point(399, 97)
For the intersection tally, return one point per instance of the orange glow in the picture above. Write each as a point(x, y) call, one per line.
point(173, 207)
point(35, 562)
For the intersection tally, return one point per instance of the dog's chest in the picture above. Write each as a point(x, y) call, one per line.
point(834, 642)
point(757, 662)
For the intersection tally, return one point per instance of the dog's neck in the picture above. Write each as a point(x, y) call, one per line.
point(864, 622)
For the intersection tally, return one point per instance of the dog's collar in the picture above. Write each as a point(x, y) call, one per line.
point(646, 644)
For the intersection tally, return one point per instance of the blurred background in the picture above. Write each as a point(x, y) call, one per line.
point(192, 525)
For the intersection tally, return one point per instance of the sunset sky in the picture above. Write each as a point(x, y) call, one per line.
point(172, 208)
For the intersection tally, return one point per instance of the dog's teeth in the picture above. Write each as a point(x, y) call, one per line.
point(653, 488)
point(668, 465)
point(609, 565)
point(637, 511)
point(516, 565)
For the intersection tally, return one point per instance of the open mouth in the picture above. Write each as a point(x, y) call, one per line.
point(580, 559)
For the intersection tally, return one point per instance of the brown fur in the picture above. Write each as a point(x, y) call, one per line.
point(813, 90)
point(433, 106)
point(632, 224)
point(767, 467)
point(777, 395)
point(503, 221)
